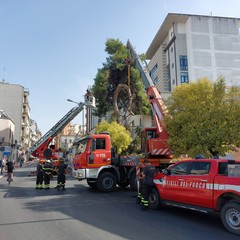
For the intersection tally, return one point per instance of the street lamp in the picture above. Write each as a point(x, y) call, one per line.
point(73, 101)
point(69, 100)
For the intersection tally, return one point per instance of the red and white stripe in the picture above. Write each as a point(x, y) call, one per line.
point(162, 151)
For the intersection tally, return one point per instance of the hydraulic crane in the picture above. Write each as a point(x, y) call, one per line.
point(155, 138)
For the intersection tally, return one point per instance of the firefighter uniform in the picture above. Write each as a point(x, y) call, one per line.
point(39, 174)
point(61, 178)
point(147, 183)
point(140, 184)
point(47, 169)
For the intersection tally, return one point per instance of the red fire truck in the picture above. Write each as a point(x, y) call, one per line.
point(102, 169)
point(95, 160)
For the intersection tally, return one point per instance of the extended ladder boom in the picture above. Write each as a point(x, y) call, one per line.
point(147, 80)
point(58, 126)
point(158, 107)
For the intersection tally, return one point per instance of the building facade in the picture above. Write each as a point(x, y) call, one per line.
point(66, 137)
point(35, 133)
point(189, 47)
point(7, 127)
point(14, 101)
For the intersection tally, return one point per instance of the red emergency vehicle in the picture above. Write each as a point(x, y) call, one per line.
point(95, 161)
point(205, 185)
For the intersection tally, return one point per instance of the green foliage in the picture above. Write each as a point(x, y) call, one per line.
point(114, 72)
point(120, 137)
point(205, 118)
point(99, 90)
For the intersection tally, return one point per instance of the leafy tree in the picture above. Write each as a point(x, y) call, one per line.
point(113, 73)
point(120, 137)
point(205, 119)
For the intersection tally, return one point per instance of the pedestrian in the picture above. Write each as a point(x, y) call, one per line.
point(61, 178)
point(21, 159)
point(47, 170)
point(2, 162)
point(147, 175)
point(39, 174)
point(10, 167)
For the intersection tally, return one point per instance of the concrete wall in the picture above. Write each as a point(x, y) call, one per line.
point(11, 101)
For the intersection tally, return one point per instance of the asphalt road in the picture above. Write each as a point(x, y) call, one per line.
point(80, 213)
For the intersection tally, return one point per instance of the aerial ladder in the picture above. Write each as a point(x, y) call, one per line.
point(41, 148)
point(155, 143)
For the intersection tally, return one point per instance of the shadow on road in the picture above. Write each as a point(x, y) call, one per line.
point(114, 212)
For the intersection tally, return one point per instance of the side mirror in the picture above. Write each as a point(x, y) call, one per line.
point(166, 171)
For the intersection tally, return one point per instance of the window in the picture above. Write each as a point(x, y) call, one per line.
point(153, 71)
point(183, 63)
point(229, 169)
point(81, 146)
point(180, 169)
point(222, 168)
point(151, 134)
point(100, 143)
point(200, 168)
point(184, 77)
point(234, 170)
point(155, 80)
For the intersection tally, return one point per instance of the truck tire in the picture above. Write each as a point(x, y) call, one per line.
point(230, 215)
point(133, 181)
point(154, 199)
point(92, 184)
point(106, 182)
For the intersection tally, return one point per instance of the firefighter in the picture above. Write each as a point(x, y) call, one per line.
point(140, 183)
point(147, 175)
point(47, 169)
point(61, 178)
point(39, 174)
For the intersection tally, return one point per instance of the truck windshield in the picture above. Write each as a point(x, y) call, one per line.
point(81, 146)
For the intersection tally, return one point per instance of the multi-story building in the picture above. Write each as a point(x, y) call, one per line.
point(67, 136)
point(35, 133)
point(14, 101)
point(189, 47)
point(7, 127)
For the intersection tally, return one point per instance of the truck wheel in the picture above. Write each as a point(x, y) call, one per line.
point(92, 184)
point(154, 199)
point(230, 215)
point(133, 181)
point(106, 182)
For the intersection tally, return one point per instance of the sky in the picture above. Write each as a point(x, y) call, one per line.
point(54, 48)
